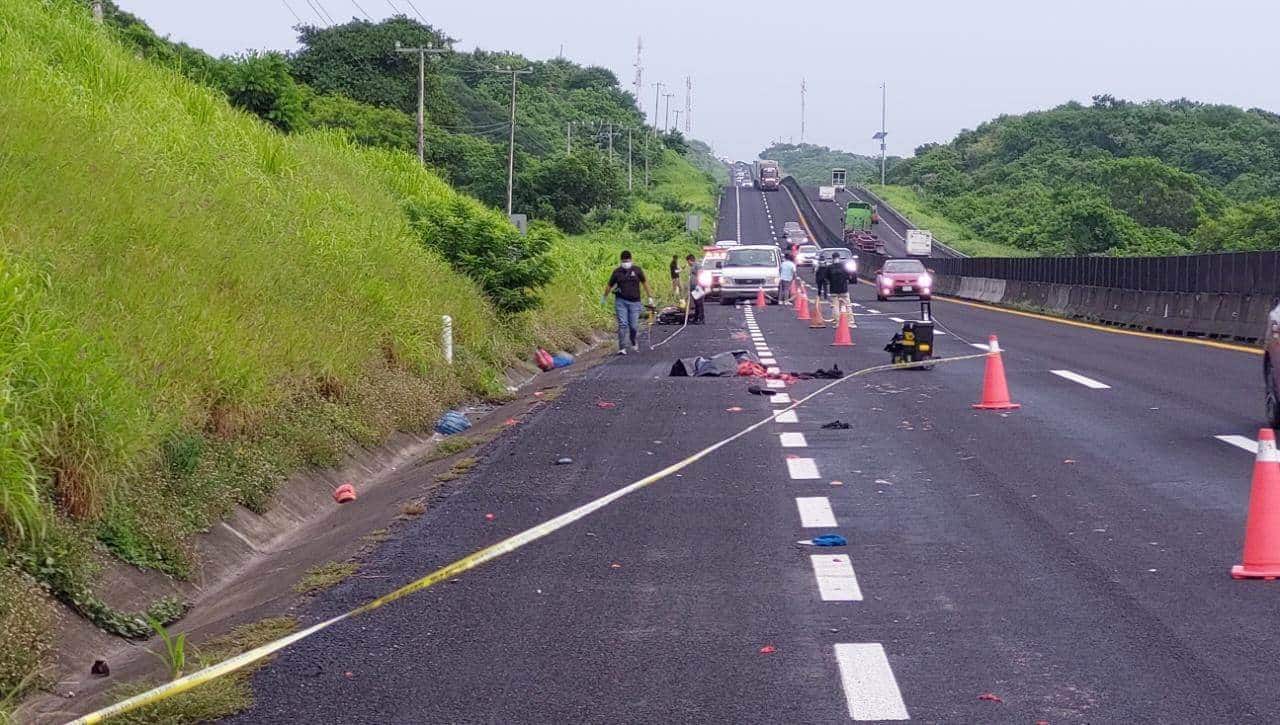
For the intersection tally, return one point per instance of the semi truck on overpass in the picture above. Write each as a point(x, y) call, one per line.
point(768, 175)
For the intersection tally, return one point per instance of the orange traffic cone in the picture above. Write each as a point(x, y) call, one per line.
point(816, 320)
point(995, 391)
point(760, 300)
point(802, 306)
point(843, 338)
point(1262, 527)
point(799, 296)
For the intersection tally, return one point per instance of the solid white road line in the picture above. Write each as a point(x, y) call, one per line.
point(836, 580)
point(868, 681)
point(1078, 378)
point(775, 384)
point(802, 469)
point(1241, 442)
point(898, 320)
point(793, 440)
point(815, 513)
point(781, 398)
point(787, 417)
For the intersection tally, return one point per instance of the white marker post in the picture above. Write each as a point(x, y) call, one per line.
point(446, 341)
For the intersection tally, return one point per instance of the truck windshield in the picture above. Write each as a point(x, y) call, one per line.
point(768, 172)
point(752, 258)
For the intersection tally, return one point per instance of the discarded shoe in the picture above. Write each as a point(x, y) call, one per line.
point(836, 425)
point(452, 422)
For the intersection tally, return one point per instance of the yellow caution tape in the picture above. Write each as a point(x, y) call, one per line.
point(471, 561)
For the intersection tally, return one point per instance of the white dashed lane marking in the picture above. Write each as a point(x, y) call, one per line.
point(773, 370)
point(1078, 378)
point(1241, 442)
point(868, 682)
point(802, 469)
point(815, 513)
point(768, 361)
point(775, 384)
point(793, 440)
point(836, 580)
point(787, 417)
point(781, 399)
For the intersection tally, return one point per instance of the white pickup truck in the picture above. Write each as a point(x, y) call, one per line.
point(826, 193)
point(919, 243)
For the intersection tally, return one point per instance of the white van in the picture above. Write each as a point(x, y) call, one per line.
point(748, 269)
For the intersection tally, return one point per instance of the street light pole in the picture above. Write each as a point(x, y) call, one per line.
point(883, 132)
point(422, 86)
point(657, 91)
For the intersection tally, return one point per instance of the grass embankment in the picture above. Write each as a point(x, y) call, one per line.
point(909, 203)
point(193, 306)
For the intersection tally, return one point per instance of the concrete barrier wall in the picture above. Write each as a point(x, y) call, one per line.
point(1239, 317)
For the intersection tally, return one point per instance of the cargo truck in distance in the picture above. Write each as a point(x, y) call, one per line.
point(919, 243)
point(837, 178)
point(768, 175)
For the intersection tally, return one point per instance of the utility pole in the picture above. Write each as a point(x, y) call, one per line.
point(688, 105)
point(611, 142)
point(511, 145)
point(884, 95)
point(802, 92)
point(646, 161)
point(422, 84)
point(666, 125)
point(97, 11)
point(638, 83)
point(677, 126)
point(630, 183)
point(568, 138)
point(657, 91)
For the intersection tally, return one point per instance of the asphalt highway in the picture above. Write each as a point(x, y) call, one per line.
point(1065, 562)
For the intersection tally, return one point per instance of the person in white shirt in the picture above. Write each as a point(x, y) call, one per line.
point(786, 275)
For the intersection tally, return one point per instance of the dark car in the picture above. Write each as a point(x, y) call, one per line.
point(1270, 378)
point(903, 278)
point(838, 255)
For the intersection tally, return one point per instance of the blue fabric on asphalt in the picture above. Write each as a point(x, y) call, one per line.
point(829, 540)
point(628, 314)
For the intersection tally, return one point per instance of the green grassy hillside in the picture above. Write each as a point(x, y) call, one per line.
point(193, 305)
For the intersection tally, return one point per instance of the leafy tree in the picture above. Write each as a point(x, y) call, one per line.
point(568, 187)
point(364, 124)
point(260, 83)
point(812, 164)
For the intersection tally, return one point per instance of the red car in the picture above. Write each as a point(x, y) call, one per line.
point(903, 278)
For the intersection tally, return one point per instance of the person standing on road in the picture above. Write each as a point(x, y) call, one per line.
point(838, 288)
point(625, 282)
point(697, 295)
point(675, 276)
point(786, 274)
point(820, 276)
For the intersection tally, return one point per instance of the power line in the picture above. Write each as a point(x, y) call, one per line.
point(362, 12)
point(415, 12)
point(394, 9)
point(326, 12)
point(314, 5)
point(292, 11)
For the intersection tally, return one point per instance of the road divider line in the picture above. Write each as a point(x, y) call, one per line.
point(815, 513)
point(802, 469)
point(869, 684)
point(1078, 378)
point(775, 384)
point(793, 440)
point(773, 370)
point(1241, 442)
point(787, 416)
point(835, 577)
point(484, 555)
point(898, 320)
point(780, 398)
point(982, 346)
point(768, 361)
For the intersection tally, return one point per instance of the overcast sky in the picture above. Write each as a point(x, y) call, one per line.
point(948, 65)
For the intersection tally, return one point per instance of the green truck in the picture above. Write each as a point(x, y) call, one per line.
point(857, 217)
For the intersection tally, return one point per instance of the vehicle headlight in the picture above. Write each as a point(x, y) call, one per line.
point(925, 280)
point(851, 266)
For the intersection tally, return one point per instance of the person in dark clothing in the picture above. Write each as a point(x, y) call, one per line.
point(838, 288)
point(820, 277)
point(697, 295)
point(625, 282)
point(675, 276)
